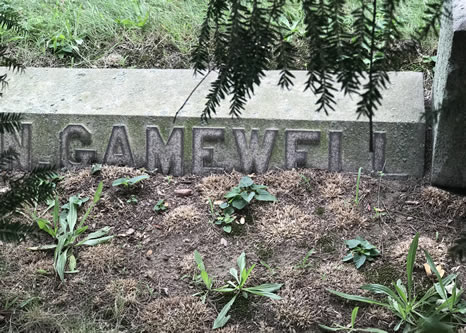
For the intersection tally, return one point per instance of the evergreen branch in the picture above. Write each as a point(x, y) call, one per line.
point(14, 232)
point(34, 187)
point(239, 38)
point(372, 96)
point(9, 18)
point(432, 18)
point(10, 63)
point(323, 53)
point(10, 122)
point(7, 157)
point(286, 56)
point(219, 89)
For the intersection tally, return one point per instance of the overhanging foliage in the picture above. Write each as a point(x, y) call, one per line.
point(241, 39)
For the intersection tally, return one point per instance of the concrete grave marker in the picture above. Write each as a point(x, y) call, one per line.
point(449, 100)
point(76, 117)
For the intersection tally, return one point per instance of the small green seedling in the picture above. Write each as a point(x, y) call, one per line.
point(96, 168)
point(378, 213)
point(160, 206)
point(236, 287)
point(224, 218)
point(202, 277)
point(169, 179)
point(305, 262)
point(350, 326)
point(356, 200)
point(133, 200)
point(128, 182)
point(306, 182)
point(360, 250)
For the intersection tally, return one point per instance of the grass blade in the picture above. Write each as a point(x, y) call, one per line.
point(199, 261)
point(410, 263)
point(222, 317)
point(357, 298)
point(97, 195)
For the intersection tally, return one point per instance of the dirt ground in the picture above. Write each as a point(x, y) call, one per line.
point(142, 281)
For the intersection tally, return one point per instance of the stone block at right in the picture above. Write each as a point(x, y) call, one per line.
point(449, 100)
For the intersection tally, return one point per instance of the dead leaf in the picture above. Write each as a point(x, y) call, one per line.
point(440, 271)
point(429, 271)
point(242, 220)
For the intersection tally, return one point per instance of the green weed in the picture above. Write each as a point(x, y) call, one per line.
point(160, 206)
point(242, 195)
point(238, 198)
point(96, 168)
point(234, 288)
point(133, 200)
point(65, 230)
point(356, 200)
point(441, 303)
point(304, 264)
point(360, 250)
point(306, 183)
point(129, 182)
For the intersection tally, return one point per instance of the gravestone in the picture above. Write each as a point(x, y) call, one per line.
point(449, 100)
point(76, 117)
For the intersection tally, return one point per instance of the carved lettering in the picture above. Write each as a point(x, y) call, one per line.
point(378, 157)
point(255, 157)
point(166, 157)
point(118, 151)
point(21, 144)
point(334, 151)
point(81, 157)
point(297, 158)
point(203, 157)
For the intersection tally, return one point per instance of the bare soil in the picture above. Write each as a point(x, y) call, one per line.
point(142, 281)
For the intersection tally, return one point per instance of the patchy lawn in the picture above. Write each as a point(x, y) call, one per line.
point(142, 280)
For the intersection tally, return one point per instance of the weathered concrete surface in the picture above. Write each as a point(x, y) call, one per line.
point(449, 100)
point(78, 116)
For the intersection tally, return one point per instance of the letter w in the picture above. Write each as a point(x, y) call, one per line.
point(255, 157)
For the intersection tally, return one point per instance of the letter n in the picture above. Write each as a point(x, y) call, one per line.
point(20, 142)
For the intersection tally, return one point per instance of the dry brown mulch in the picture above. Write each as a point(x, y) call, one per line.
point(142, 280)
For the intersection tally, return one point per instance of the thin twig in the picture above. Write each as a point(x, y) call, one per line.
point(190, 95)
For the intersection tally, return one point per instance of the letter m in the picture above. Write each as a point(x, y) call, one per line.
point(166, 157)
